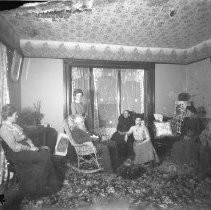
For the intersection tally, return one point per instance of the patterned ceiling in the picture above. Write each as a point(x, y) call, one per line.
point(153, 24)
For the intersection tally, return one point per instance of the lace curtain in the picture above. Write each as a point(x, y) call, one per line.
point(132, 90)
point(4, 94)
point(105, 99)
point(102, 88)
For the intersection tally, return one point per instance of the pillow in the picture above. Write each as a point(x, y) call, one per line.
point(158, 117)
point(162, 129)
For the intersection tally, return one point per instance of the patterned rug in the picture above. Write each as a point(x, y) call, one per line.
point(166, 186)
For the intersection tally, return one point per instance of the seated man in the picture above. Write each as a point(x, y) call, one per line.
point(80, 136)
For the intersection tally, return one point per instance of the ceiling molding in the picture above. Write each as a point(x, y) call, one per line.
point(164, 31)
point(77, 50)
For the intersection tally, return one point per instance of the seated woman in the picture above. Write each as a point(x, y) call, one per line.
point(191, 126)
point(36, 172)
point(143, 148)
point(125, 149)
point(80, 136)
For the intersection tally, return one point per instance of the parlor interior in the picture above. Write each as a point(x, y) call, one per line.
point(146, 53)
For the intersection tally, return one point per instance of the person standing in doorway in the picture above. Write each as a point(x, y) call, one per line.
point(77, 106)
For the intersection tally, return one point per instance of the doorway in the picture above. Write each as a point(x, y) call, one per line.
point(109, 88)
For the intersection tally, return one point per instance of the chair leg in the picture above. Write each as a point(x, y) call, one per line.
point(78, 162)
point(8, 179)
point(96, 160)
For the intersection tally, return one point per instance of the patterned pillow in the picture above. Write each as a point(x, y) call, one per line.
point(158, 117)
point(162, 129)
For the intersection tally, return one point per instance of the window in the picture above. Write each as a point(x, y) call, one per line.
point(109, 88)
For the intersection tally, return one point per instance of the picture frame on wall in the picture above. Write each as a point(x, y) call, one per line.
point(15, 71)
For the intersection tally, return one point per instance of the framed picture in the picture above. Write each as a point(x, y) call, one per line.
point(62, 144)
point(16, 66)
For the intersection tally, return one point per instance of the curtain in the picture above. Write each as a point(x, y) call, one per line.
point(4, 99)
point(81, 79)
point(107, 92)
point(105, 100)
point(132, 90)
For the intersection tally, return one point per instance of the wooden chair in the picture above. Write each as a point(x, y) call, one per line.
point(86, 153)
point(10, 164)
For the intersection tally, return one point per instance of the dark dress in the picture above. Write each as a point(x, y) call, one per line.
point(36, 172)
point(191, 128)
point(125, 149)
point(37, 135)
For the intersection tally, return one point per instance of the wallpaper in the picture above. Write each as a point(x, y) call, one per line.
point(199, 85)
point(150, 28)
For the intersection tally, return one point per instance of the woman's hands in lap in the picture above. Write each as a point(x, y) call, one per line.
point(35, 149)
point(45, 148)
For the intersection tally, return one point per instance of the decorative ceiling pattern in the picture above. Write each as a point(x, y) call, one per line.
point(55, 49)
point(153, 25)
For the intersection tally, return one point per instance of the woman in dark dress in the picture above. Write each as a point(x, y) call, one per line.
point(125, 149)
point(34, 166)
point(191, 126)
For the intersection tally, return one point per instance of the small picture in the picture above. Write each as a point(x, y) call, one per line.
point(62, 144)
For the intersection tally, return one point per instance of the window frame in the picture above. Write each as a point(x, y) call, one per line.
point(149, 81)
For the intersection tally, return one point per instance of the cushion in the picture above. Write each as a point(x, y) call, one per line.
point(158, 117)
point(162, 129)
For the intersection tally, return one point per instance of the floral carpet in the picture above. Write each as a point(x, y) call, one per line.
point(166, 186)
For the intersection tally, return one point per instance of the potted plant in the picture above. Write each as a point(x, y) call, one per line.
point(38, 116)
point(31, 116)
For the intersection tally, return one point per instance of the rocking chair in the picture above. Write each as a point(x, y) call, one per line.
point(86, 153)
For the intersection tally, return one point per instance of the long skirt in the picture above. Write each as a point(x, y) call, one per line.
point(108, 152)
point(144, 152)
point(36, 172)
point(121, 146)
point(124, 149)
